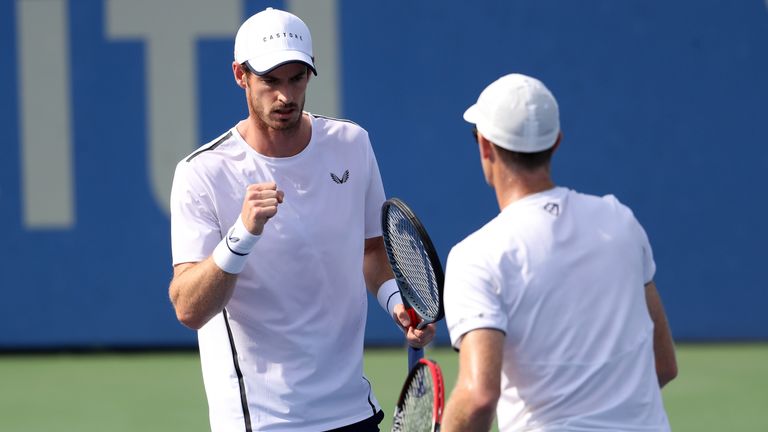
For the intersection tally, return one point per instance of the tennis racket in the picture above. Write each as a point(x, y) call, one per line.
point(420, 406)
point(416, 266)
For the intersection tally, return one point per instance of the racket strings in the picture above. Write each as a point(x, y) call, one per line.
point(417, 410)
point(413, 264)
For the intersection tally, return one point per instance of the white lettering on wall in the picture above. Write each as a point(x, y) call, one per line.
point(170, 29)
point(47, 182)
point(324, 93)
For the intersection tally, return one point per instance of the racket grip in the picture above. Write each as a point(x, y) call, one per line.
point(415, 320)
point(414, 355)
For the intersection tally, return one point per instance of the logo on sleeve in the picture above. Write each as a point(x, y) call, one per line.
point(343, 179)
point(552, 208)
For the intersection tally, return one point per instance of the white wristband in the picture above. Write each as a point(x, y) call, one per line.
point(232, 251)
point(389, 296)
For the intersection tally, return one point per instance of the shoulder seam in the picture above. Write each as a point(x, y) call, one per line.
point(227, 136)
point(334, 118)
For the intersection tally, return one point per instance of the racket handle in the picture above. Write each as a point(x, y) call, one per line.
point(414, 317)
point(414, 355)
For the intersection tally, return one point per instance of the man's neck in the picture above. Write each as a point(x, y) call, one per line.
point(273, 142)
point(514, 187)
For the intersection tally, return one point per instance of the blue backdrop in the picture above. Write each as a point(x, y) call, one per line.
point(662, 104)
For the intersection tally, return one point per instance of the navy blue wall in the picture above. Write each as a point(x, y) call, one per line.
point(662, 104)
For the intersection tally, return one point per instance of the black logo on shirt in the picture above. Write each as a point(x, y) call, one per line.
point(343, 179)
point(552, 208)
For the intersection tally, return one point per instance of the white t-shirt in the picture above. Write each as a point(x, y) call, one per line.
point(288, 349)
point(562, 274)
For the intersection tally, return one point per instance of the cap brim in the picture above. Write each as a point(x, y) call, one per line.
point(472, 114)
point(267, 63)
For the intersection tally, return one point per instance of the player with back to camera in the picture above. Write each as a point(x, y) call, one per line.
point(275, 235)
point(552, 303)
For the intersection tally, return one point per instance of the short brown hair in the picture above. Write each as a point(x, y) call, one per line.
point(520, 160)
point(525, 161)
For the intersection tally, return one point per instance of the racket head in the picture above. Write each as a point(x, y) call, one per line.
point(414, 260)
point(422, 398)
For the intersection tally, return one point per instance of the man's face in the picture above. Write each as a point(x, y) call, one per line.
point(276, 99)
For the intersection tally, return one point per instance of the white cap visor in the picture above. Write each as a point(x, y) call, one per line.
point(266, 63)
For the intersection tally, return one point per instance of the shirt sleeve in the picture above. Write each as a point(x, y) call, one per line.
point(649, 265)
point(374, 197)
point(471, 295)
point(195, 229)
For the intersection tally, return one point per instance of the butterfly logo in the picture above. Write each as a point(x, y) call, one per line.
point(343, 179)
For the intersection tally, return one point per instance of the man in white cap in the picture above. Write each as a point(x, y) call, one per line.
point(552, 304)
point(275, 237)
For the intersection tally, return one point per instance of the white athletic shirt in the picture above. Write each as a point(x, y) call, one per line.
point(562, 274)
point(288, 349)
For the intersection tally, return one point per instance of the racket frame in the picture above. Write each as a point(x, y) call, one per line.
point(418, 319)
point(438, 395)
point(429, 248)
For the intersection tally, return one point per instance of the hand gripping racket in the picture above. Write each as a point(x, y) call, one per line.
point(420, 406)
point(416, 266)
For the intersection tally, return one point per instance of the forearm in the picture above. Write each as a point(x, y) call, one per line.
point(199, 291)
point(472, 406)
point(376, 269)
point(664, 352)
point(663, 344)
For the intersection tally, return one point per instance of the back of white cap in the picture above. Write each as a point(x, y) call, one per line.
point(272, 38)
point(518, 113)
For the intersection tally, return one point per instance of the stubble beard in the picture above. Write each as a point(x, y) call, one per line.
point(265, 121)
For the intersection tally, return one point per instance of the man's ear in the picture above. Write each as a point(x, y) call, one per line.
point(486, 148)
point(557, 143)
point(240, 76)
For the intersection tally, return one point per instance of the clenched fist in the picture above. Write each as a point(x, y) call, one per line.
point(260, 204)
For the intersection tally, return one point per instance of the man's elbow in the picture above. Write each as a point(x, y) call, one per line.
point(186, 314)
point(667, 373)
point(483, 401)
point(190, 318)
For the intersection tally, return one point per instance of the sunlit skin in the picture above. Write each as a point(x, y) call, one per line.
point(276, 100)
point(472, 404)
point(511, 185)
point(276, 125)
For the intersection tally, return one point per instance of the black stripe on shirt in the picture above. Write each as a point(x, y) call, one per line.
point(334, 118)
point(240, 381)
point(211, 147)
point(370, 402)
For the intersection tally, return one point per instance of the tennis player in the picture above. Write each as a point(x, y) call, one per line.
point(275, 236)
point(552, 303)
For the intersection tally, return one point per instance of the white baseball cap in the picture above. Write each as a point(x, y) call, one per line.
point(518, 113)
point(272, 38)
